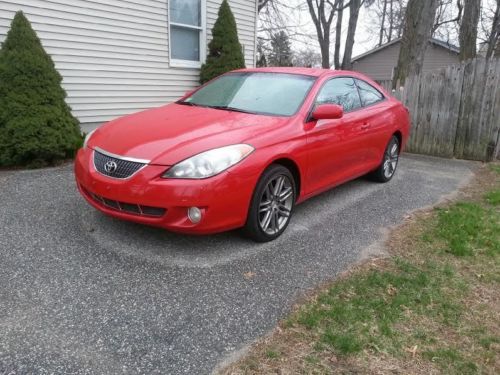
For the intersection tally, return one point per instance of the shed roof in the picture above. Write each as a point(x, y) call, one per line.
point(437, 42)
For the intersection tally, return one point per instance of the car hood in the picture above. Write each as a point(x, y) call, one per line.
point(172, 133)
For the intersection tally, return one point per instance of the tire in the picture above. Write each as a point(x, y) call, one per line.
point(387, 167)
point(272, 205)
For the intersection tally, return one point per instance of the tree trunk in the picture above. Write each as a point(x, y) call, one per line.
point(494, 37)
point(419, 20)
point(325, 53)
point(391, 21)
point(338, 34)
point(354, 7)
point(381, 34)
point(261, 4)
point(322, 24)
point(468, 29)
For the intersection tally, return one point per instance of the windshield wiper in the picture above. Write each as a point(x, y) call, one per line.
point(223, 107)
point(188, 103)
point(228, 108)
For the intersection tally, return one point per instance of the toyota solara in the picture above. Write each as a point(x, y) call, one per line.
point(243, 150)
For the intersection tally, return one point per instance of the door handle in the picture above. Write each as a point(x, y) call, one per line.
point(365, 126)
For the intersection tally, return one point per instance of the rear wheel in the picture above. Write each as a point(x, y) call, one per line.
point(272, 204)
point(387, 168)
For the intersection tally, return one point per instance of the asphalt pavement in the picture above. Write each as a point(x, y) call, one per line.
point(82, 293)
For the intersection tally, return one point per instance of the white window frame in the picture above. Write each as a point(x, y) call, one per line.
point(177, 63)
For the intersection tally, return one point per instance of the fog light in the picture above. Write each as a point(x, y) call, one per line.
point(194, 214)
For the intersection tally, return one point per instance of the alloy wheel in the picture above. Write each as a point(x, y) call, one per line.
point(276, 204)
point(391, 159)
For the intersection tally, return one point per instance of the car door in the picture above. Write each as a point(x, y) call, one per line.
point(335, 147)
point(377, 119)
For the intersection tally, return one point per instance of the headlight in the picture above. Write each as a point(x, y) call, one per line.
point(87, 137)
point(209, 163)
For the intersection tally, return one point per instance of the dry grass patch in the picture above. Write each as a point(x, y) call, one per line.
point(432, 307)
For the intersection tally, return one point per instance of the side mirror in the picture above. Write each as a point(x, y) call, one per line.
point(328, 112)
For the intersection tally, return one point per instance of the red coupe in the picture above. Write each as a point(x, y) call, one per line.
point(243, 150)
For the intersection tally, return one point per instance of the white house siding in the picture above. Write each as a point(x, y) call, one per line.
point(113, 55)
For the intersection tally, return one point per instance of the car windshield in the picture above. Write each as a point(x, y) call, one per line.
point(278, 94)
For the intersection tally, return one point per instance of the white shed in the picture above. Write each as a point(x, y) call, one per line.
point(121, 56)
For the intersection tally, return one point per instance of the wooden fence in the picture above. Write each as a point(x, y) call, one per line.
point(455, 111)
point(386, 84)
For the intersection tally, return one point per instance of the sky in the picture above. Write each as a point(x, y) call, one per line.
point(303, 33)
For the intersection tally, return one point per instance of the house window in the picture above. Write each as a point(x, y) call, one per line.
point(187, 31)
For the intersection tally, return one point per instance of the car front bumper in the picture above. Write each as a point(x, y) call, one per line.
point(149, 199)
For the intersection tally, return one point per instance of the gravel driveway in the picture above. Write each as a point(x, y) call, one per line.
point(84, 293)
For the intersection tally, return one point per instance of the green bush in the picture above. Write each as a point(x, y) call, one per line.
point(224, 50)
point(36, 125)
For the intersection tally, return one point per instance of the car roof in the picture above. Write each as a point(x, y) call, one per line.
point(314, 72)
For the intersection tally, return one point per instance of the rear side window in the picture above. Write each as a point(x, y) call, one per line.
point(341, 91)
point(369, 94)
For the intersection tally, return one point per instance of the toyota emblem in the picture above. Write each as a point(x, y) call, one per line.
point(110, 166)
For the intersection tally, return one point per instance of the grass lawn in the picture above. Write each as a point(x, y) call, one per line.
point(432, 306)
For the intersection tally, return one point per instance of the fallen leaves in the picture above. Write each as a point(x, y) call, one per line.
point(249, 275)
point(412, 350)
point(391, 290)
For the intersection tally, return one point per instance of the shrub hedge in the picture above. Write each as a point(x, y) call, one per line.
point(36, 125)
point(225, 52)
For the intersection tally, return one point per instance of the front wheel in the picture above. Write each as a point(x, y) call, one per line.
point(272, 204)
point(387, 168)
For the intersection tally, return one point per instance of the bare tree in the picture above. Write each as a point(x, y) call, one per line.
point(448, 16)
point(468, 29)
point(322, 14)
point(338, 34)
point(276, 16)
point(382, 26)
point(308, 58)
point(261, 4)
point(354, 7)
point(387, 19)
point(391, 19)
point(493, 34)
point(417, 31)
point(396, 19)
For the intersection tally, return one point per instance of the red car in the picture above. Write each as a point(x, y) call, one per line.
point(243, 150)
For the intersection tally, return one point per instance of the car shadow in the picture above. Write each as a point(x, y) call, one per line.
point(158, 245)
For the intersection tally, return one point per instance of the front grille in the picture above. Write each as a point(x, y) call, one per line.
point(129, 208)
point(115, 167)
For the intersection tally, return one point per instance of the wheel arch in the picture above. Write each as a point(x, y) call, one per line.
point(292, 166)
point(399, 136)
